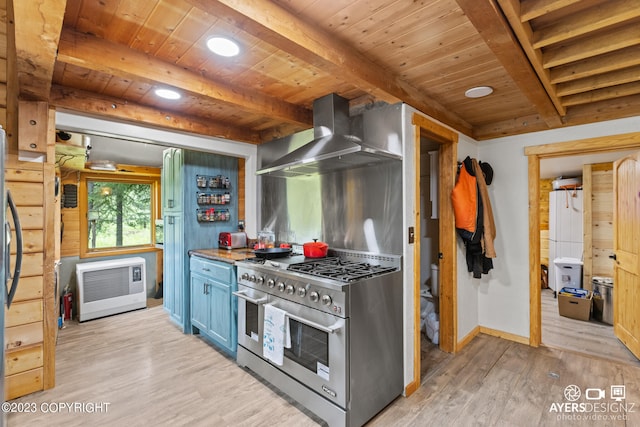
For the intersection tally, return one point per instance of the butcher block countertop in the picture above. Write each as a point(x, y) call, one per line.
point(224, 255)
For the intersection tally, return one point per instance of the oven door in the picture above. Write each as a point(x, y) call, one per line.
point(251, 318)
point(318, 356)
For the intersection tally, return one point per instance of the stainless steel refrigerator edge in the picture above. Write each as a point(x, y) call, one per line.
point(7, 294)
point(358, 208)
point(3, 267)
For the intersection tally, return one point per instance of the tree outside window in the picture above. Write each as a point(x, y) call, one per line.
point(119, 214)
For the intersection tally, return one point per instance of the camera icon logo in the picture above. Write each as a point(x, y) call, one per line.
point(595, 394)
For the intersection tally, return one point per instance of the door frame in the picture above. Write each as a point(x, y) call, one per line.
point(447, 162)
point(603, 144)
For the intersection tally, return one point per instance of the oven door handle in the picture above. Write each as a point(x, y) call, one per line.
point(328, 329)
point(242, 294)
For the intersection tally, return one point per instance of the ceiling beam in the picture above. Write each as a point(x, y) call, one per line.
point(115, 108)
point(600, 64)
point(599, 44)
point(37, 26)
point(614, 78)
point(515, 126)
point(100, 55)
point(534, 8)
point(589, 20)
point(611, 92)
point(496, 32)
point(285, 31)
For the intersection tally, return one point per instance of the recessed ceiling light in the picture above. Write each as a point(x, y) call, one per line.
point(167, 94)
point(223, 46)
point(478, 92)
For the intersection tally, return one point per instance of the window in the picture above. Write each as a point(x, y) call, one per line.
point(118, 214)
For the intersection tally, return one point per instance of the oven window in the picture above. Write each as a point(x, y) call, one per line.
point(309, 346)
point(251, 320)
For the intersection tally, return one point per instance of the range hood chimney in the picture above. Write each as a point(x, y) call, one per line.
point(334, 146)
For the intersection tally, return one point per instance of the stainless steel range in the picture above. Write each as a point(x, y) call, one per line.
point(345, 322)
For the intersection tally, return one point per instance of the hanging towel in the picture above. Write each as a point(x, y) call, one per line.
point(276, 334)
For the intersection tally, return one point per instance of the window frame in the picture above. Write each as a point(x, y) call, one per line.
point(152, 179)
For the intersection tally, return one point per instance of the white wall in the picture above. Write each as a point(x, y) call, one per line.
point(468, 310)
point(503, 297)
point(74, 122)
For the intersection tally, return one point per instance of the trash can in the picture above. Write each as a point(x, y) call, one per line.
point(603, 299)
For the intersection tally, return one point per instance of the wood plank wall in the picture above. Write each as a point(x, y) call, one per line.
point(598, 214)
point(545, 188)
point(30, 322)
point(3, 63)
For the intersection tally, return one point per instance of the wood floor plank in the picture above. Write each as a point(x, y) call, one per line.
point(151, 374)
point(592, 337)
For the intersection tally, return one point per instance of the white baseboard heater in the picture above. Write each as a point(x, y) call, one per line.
point(110, 287)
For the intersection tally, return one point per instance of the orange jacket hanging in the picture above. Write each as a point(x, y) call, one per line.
point(465, 201)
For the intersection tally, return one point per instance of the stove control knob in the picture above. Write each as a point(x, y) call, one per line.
point(260, 280)
point(290, 289)
point(326, 300)
point(245, 276)
point(313, 296)
point(252, 278)
point(281, 286)
point(271, 283)
point(302, 292)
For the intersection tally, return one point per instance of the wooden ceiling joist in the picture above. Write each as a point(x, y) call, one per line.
point(37, 26)
point(601, 64)
point(91, 103)
point(593, 19)
point(614, 78)
point(95, 54)
point(599, 44)
point(603, 94)
point(532, 9)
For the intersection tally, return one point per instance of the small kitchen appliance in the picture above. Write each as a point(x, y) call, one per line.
point(232, 240)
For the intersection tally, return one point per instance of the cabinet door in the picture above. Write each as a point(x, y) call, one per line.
point(199, 302)
point(167, 178)
point(173, 269)
point(168, 264)
point(178, 183)
point(172, 180)
point(220, 312)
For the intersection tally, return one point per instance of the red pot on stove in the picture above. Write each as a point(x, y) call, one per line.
point(315, 249)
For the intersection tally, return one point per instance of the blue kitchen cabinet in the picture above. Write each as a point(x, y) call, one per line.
point(183, 227)
point(213, 306)
point(173, 247)
point(172, 294)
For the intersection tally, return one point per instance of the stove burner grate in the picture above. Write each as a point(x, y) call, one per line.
point(339, 269)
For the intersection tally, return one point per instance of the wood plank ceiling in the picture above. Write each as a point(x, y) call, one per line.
point(551, 63)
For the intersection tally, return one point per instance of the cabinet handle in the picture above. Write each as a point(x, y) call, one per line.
point(170, 203)
point(205, 269)
point(170, 220)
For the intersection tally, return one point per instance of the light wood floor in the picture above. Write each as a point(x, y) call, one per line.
point(151, 374)
point(592, 337)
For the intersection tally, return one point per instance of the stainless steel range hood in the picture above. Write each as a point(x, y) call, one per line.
point(334, 147)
